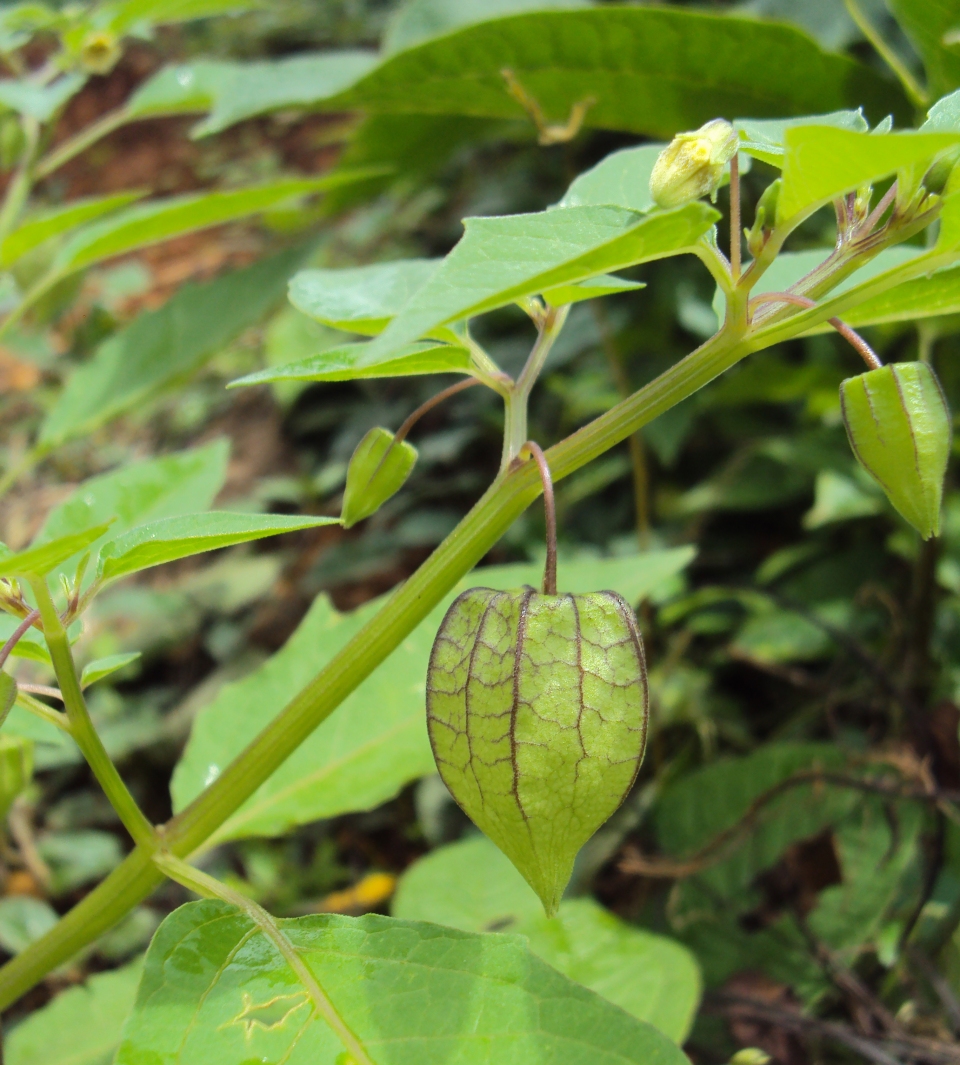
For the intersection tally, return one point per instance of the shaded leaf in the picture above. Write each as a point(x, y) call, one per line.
point(360, 299)
point(78, 857)
point(821, 162)
point(81, 1026)
point(164, 487)
point(500, 260)
point(472, 886)
point(23, 920)
point(410, 993)
point(43, 225)
point(192, 534)
point(765, 139)
point(162, 345)
point(349, 363)
point(623, 57)
point(39, 101)
point(927, 26)
point(42, 559)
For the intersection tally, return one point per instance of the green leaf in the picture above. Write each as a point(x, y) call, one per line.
point(192, 534)
point(419, 20)
point(349, 363)
point(927, 26)
point(16, 753)
point(923, 297)
point(765, 139)
point(39, 101)
point(81, 1026)
point(360, 299)
point(30, 645)
point(500, 260)
point(297, 81)
point(376, 741)
point(43, 225)
point(103, 667)
point(233, 92)
point(411, 993)
point(161, 346)
point(839, 498)
point(181, 483)
point(821, 162)
point(138, 14)
point(147, 223)
point(472, 886)
point(591, 289)
point(78, 857)
point(944, 116)
point(23, 920)
point(378, 470)
point(622, 57)
point(40, 560)
point(622, 179)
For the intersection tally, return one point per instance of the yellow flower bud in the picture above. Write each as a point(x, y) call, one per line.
point(692, 164)
point(99, 52)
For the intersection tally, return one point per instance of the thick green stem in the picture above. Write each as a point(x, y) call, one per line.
point(81, 727)
point(501, 505)
point(210, 888)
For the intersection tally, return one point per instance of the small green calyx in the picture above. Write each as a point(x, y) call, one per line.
point(537, 712)
point(378, 469)
point(899, 428)
point(692, 164)
point(765, 219)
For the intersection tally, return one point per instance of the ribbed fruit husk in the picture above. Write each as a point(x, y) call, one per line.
point(537, 710)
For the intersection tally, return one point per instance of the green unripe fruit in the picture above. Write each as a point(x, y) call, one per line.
point(900, 430)
point(537, 713)
point(692, 164)
point(377, 471)
point(16, 769)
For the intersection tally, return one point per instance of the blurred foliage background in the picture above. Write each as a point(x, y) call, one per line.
point(811, 629)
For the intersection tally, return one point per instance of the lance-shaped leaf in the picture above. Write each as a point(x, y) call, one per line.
point(40, 560)
point(378, 469)
point(161, 346)
point(147, 223)
point(537, 713)
point(215, 989)
point(822, 162)
point(360, 299)
point(44, 225)
point(172, 538)
point(900, 430)
point(233, 91)
point(591, 289)
point(500, 260)
point(39, 101)
point(103, 667)
point(348, 363)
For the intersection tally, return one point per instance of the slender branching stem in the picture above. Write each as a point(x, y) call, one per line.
point(550, 514)
point(210, 888)
point(81, 727)
point(736, 237)
point(87, 137)
point(18, 632)
point(41, 710)
point(432, 402)
point(862, 348)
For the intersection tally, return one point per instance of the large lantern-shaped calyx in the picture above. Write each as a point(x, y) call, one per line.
point(537, 713)
point(899, 428)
